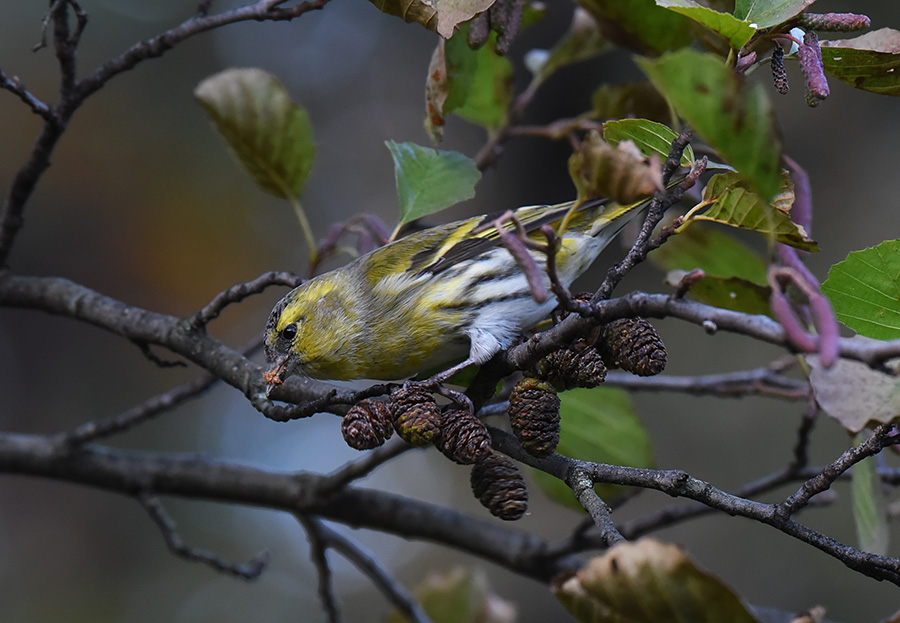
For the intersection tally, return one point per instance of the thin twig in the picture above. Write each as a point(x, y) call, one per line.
point(161, 403)
point(239, 292)
point(368, 565)
point(758, 382)
point(73, 92)
point(17, 88)
point(318, 548)
point(662, 201)
point(365, 466)
point(583, 488)
point(247, 571)
point(880, 439)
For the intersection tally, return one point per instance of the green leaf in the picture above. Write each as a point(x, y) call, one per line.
point(641, 25)
point(582, 41)
point(733, 204)
point(713, 251)
point(647, 581)
point(429, 180)
point(268, 133)
point(853, 393)
point(479, 83)
point(865, 290)
point(737, 32)
point(597, 425)
point(443, 16)
point(765, 13)
point(869, 509)
point(649, 136)
point(870, 62)
point(739, 123)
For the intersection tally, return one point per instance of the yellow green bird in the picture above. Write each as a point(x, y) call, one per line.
point(431, 298)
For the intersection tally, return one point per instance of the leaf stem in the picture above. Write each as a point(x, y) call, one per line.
point(307, 230)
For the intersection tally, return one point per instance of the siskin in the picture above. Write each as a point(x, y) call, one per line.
point(434, 297)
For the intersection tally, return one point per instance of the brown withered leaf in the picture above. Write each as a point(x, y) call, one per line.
point(621, 173)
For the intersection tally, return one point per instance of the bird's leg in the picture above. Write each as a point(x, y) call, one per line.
point(436, 383)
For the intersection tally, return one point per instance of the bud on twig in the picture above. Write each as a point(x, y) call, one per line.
point(417, 418)
point(499, 487)
point(464, 438)
point(367, 425)
point(534, 416)
point(634, 345)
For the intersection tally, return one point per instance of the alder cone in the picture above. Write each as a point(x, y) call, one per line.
point(634, 345)
point(464, 438)
point(368, 424)
point(578, 365)
point(534, 416)
point(416, 416)
point(499, 487)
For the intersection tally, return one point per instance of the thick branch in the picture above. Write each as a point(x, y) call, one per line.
point(198, 477)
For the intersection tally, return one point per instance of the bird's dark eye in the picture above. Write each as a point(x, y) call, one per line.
point(289, 332)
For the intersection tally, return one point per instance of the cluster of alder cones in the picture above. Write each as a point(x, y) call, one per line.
point(631, 344)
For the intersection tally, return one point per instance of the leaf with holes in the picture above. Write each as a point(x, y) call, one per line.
point(268, 133)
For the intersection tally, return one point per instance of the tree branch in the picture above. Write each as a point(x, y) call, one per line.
point(758, 382)
point(367, 564)
point(199, 477)
point(248, 571)
point(680, 484)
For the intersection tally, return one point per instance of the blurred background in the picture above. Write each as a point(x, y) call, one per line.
point(143, 203)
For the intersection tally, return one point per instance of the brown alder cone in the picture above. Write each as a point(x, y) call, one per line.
point(633, 345)
point(367, 425)
point(416, 416)
point(499, 487)
point(579, 365)
point(534, 416)
point(464, 438)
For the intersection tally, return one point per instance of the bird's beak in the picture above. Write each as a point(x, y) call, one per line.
point(274, 376)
